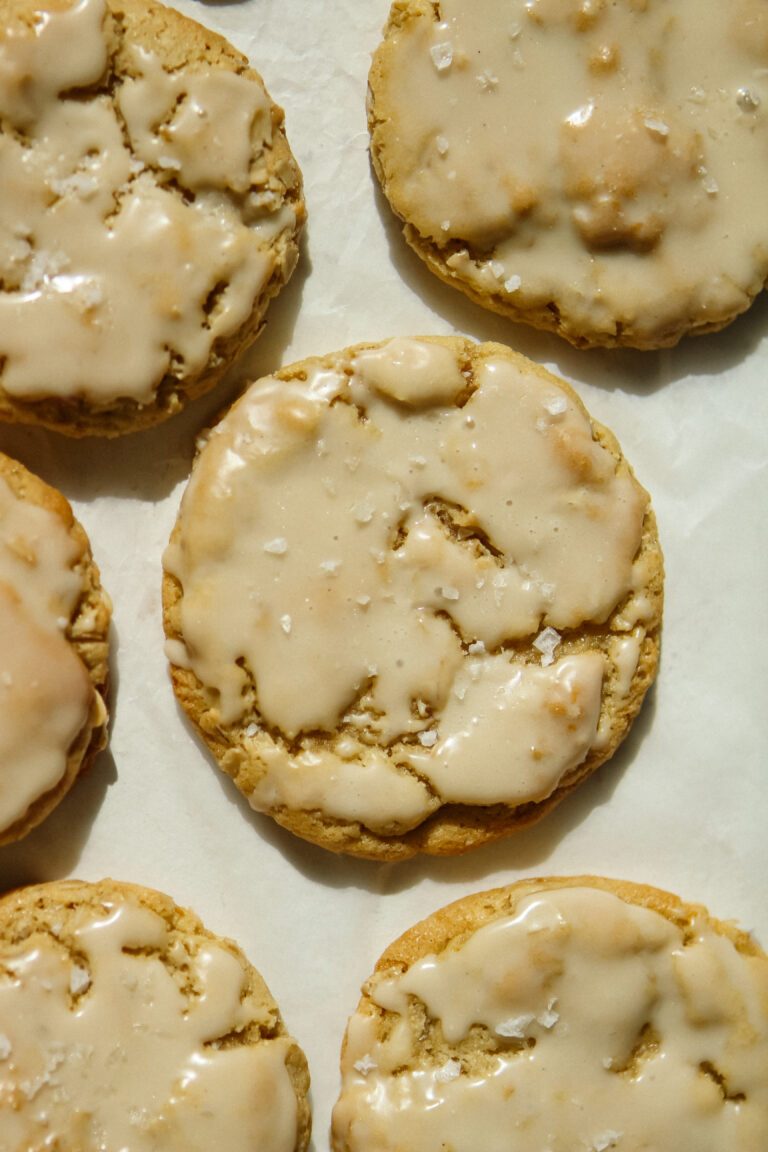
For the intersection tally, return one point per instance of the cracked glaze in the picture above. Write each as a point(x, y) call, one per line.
point(46, 696)
point(604, 162)
point(363, 548)
point(634, 1034)
point(134, 228)
point(114, 1044)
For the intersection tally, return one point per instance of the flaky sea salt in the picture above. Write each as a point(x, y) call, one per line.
point(428, 739)
point(80, 184)
point(451, 1070)
point(512, 283)
point(549, 1017)
point(546, 642)
point(363, 512)
point(710, 185)
point(746, 100)
point(79, 979)
point(442, 55)
point(276, 547)
point(486, 80)
point(365, 1065)
point(556, 405)
point(252, 729)
point(605, 1140)
point(476, 648)
point(656, 127)
point(515, 1027)
point(286, 624)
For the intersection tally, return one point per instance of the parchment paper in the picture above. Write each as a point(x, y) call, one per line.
point(684, 803)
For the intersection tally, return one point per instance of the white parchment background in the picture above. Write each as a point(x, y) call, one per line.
point(683, 805)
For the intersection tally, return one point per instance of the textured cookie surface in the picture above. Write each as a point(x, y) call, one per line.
point(413, 595)
point(591, 168)
point(125, 1024)
point(54, 624)
point(561, 1014)
point(150, 210)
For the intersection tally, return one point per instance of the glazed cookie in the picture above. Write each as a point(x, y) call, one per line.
point(592, 168)
point(412, 597)
point(561, 1014)
point(153, 211)
point(124, 1023)
point(54, 623)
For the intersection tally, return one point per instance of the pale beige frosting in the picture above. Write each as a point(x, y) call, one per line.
point(128, 278)
point(116, 1046)
point(361, 547)
point(607, 157)
point(45, 693)
point(607, 1026)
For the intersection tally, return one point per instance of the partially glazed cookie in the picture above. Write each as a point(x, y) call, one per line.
point(591, 168)
point(561, 1014)
point(153, 212)
point(54, 625)
point(124, 1023)
point(412, 597)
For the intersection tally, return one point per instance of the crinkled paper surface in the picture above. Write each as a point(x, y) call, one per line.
point(684, 805)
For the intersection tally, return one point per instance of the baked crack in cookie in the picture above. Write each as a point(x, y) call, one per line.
point(561, 1014)
point(412, 597)
point(54, 626)
point(596, 169)
point(149, 210)
point(124, 1023)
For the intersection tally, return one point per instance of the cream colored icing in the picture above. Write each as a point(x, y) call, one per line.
point(609, 157)
point(45, 692)
point(121, 1044)
point(129, 278)
point(359, 550)
point(607, 1028)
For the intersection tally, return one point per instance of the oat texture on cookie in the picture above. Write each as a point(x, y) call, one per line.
point(54, 624)
point(149, 210)
point(591, 168)
point(124, 1023)
point(561, 1014)
point(413, 595)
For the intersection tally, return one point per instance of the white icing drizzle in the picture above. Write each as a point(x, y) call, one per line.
point(323, 501)
point(45, 692)
point(615, 166)
point(116, 1055)
point(96, 247)
point(630, 1036)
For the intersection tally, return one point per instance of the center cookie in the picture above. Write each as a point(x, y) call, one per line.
point(412, 597)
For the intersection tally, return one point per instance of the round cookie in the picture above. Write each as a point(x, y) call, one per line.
point(589, 168)
point(560, 1014)
point(412, 597)
point(54, 621)
point(154, 211)
point(124, 1023)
